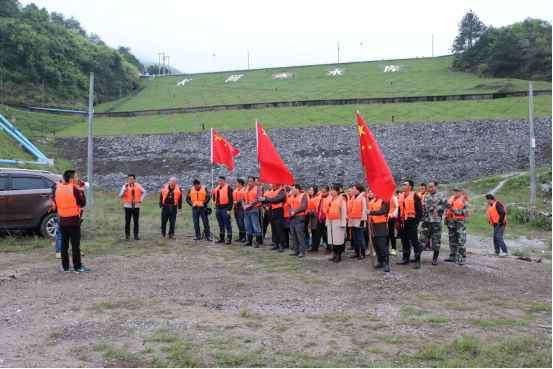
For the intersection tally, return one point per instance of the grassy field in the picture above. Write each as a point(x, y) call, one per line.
point(316, 116)
point(417, 78)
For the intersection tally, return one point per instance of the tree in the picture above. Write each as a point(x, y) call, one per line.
point(505, 54)
point(126, 51)
point(470, 30)
point(152, 69)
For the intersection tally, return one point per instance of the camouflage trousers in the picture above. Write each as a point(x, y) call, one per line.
point(431, 231)
point(457, 240)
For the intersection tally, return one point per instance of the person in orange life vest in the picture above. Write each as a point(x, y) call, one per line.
point(251, 202)
point(266, 209)
point(198, 198)
point(320, 218)
point(348, 231)
point(458, 208)
point(335, 209)
point(310, 222)
point(410, 214)
point(286, 224)
point(498, 220)
point(378, 212)
point(170, 201)
point(297, 208)
point(275, 200)
point(392, 216)
point(263, 215)
point(358, 219)
point(238, 210)
point(222, 196)
point(69, 200)
point(82, 186)
point(133, 195)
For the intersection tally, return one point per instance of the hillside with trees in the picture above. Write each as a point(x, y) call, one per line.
point(520, 50)
point(38, 47)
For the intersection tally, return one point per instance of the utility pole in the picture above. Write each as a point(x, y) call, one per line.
point(90, 124)
point(532, 148)
point(248, 59)
point(361, 53)
point(163, 64)
point(168, 69)
point(159, 64)
point(338, 53)
point(119, 90)
point(43, 93)
point(432, 45)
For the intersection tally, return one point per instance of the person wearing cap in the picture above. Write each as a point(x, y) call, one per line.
point(498, 220)
point(455, 219)
point(170, 201)
point(432, 211)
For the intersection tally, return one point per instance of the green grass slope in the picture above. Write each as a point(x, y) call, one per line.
point(316, 116)
point(419, 77)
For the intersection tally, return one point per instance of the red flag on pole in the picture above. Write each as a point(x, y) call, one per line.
point(271, 166)
point(379, 177)
point(221, 151)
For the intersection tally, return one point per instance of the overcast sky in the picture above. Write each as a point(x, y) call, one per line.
point(284, 33)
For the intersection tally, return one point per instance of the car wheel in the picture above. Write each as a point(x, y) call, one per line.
point(49, 226)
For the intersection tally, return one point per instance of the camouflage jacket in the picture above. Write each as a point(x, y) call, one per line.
point(433, 207)
point(464, 211)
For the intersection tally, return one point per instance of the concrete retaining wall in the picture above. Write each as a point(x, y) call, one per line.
point(444, 151)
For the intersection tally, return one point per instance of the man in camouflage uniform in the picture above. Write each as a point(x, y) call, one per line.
point(432, 210)
point(457, 226)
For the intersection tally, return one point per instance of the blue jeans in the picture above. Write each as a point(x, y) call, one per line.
point(58, 237)
point(358, 237)
point(252, 223)
point(498, 243)
point(196, 214)
point(172, 219)
point(224, 221)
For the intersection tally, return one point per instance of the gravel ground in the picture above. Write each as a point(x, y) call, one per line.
point(212, 296)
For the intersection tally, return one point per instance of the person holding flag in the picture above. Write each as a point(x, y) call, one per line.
point(238, 210)
point(275, 201)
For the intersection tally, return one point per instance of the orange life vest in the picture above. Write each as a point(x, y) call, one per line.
point(422, 197)
point(407, 205)
point(176, 193)
point(137, 192)
point(357, 205)
point(286, 202)
point(375, 205)
point(274, 193)
point(493, 214)
point(326, 204)
point(392, 204)
point(311, 202)
point(198, 197)
point(295, 203)
point(334, 208)
point(318, 200)
point(66, 201)
point(238, 194)
point(223, 194)
point(250, 196)
point(457, 204)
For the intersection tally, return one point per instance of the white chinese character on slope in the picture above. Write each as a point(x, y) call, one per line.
point(183, 82)
point(335, 72)
point(234, 78)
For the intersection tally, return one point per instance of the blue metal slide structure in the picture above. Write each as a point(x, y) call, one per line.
point(16, 135)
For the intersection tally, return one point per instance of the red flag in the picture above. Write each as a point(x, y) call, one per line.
point(379, 177)
point(271, 166)
point(221, 151)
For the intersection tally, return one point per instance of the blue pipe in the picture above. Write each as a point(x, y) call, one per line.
point(23, 138)
point(35, 153)
point(68, 111)
point(2, 161)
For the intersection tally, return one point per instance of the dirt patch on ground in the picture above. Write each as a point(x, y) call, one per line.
point(187, 304)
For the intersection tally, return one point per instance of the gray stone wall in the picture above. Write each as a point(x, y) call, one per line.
point(444, 151)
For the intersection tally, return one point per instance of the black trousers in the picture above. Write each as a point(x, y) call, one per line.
point(168, 217)
point(134, 214)
point(339, 249)
point(391, 230)
point(410, 233)
point(239, 217)
point(265, 224)
point(320, 232)
point(73, 233)
point(381, 246)
point(277, 223)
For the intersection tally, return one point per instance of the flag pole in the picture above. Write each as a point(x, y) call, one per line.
point(211, 195)
point(368, 218)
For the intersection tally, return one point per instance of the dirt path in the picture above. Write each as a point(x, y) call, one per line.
point(188, 304)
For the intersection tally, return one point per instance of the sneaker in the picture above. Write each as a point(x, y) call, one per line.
point(209, 239)
point(494, 253)
point(327, 252)
point(137, 238)
point(127, 238)
point(82, 269)
point(162, 235)
point(82, 253)
point(301, 256)
point(196, 238)
point(504, 254)
point(172, 236)
point(58, 255)
point(393, 252)
point(65, 270)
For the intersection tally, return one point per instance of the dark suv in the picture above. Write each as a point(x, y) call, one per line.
point(25, 200)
